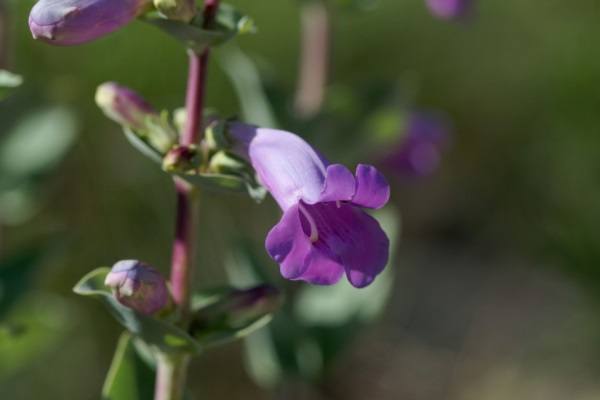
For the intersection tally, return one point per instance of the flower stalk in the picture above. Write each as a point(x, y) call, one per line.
point(171, 372)
point(170, 377)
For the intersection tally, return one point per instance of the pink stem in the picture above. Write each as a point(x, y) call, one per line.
point(182, 248)
point(171, 372)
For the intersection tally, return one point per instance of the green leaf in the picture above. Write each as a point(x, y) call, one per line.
point(228, 23)
point(168, 338)
point(190, 35)
point(225, 183)
point(8, 81)
point(224, 315)
point(246, 80)
point(129, 377)
point(142, 146)
point(38, 142)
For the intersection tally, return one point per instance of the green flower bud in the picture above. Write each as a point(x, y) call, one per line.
point(180, 10)
point(181, 159)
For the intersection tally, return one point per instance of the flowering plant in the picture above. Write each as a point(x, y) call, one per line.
point(323, 234)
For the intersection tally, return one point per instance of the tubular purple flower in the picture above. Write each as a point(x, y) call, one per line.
point(420, 151)
point(324, 232)
point(138, 286)
point(448, 9)
point(72, 22)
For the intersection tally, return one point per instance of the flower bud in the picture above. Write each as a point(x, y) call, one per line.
point(448, 9)
point(238, 308)
point(127, 108)
point(181, 159)
point(180, 10)
point(123, 105)
point(71, 22)
point(138, 286)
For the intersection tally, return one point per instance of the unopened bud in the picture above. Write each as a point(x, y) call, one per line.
point(180, 10)
point(71, 22)
point(123, 105)
point(129, 109)
point(138, 286)
point(181, 159)
point(238, 308)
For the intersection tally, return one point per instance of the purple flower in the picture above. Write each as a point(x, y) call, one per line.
point(419, 152)
point(71, 22)
point(138, 286)
point(323, 232)
point(448, 9)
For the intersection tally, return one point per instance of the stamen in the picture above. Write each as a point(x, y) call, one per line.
point(338, 203)
point(314, 232)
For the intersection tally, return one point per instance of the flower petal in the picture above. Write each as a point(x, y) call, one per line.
point(286, 165)
point(372, 189)
point(339, 185)
point(322, 270)
point(350, 237)
point(288, 244)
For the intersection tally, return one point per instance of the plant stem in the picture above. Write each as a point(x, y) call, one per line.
point(314, 58)
point(171, 371)
point(170, 377)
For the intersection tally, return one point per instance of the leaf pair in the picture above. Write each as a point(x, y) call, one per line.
point(217, 317)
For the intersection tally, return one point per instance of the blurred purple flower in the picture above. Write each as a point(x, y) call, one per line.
point(323, 232)
point(420, 151)
point(71, 22)
point(138, 286)
point(448, 9)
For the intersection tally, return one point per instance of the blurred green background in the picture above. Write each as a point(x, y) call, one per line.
point(497, 283)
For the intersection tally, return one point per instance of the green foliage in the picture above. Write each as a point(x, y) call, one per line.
point(229, 314)
point(218, 317)
point(228, 23)
point(155, 332)
point(129, 377)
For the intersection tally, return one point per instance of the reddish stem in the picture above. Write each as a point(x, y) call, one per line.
point(171, 372)
point(181, 266)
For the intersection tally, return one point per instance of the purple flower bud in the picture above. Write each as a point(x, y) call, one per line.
point(129, 109)
point(123, 105)
point(449, 9)
point(71, 22)
point(420, 151)
point(138, 286)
